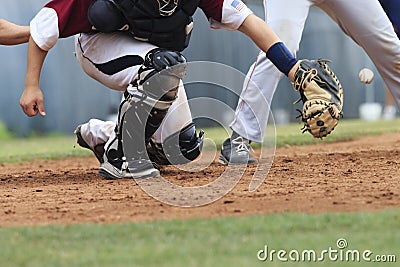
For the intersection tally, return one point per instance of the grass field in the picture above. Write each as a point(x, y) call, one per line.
point(58, 146)
point(232, 242)
point(212, 242)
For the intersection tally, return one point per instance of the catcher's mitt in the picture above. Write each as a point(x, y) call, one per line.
point(322, 97)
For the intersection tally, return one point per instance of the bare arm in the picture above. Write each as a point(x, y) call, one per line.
point(262, 35)
point(13, 34)
point(32, 100)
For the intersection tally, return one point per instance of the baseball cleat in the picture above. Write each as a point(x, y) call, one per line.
point(236, 152)
point(98, 150)
point(120, 168)
point(141, 169)
point(110, 172)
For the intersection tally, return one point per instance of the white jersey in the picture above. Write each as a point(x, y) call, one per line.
point(363, 20)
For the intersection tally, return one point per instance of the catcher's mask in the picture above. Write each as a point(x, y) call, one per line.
point(167, 7)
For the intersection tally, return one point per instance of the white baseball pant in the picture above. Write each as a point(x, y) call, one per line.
point(363, 20)
point(100, 48)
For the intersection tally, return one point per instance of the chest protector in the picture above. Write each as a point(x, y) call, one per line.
point(164, 23)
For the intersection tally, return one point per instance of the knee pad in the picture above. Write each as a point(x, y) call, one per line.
point(137, 122)
point(179, 148)
point(159, 77)
point(143, 110)
point(106, 17)
point(189, 144)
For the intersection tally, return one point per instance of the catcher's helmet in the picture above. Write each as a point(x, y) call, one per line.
point(105, 16)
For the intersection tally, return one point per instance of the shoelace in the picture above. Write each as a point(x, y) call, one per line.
point(240, 144)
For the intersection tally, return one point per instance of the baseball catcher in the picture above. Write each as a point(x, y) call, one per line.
point(322, 97)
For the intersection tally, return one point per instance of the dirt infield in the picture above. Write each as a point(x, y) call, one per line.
point(346, 176)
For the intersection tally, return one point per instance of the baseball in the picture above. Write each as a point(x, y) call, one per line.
point(366, 76)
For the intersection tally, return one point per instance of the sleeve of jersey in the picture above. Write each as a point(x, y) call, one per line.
point(44, 28)
point(233, 13)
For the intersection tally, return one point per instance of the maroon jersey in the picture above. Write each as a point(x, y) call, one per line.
point(72, 16)
point(64, 18)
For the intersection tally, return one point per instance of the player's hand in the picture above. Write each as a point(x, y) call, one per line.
point(32, 101)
